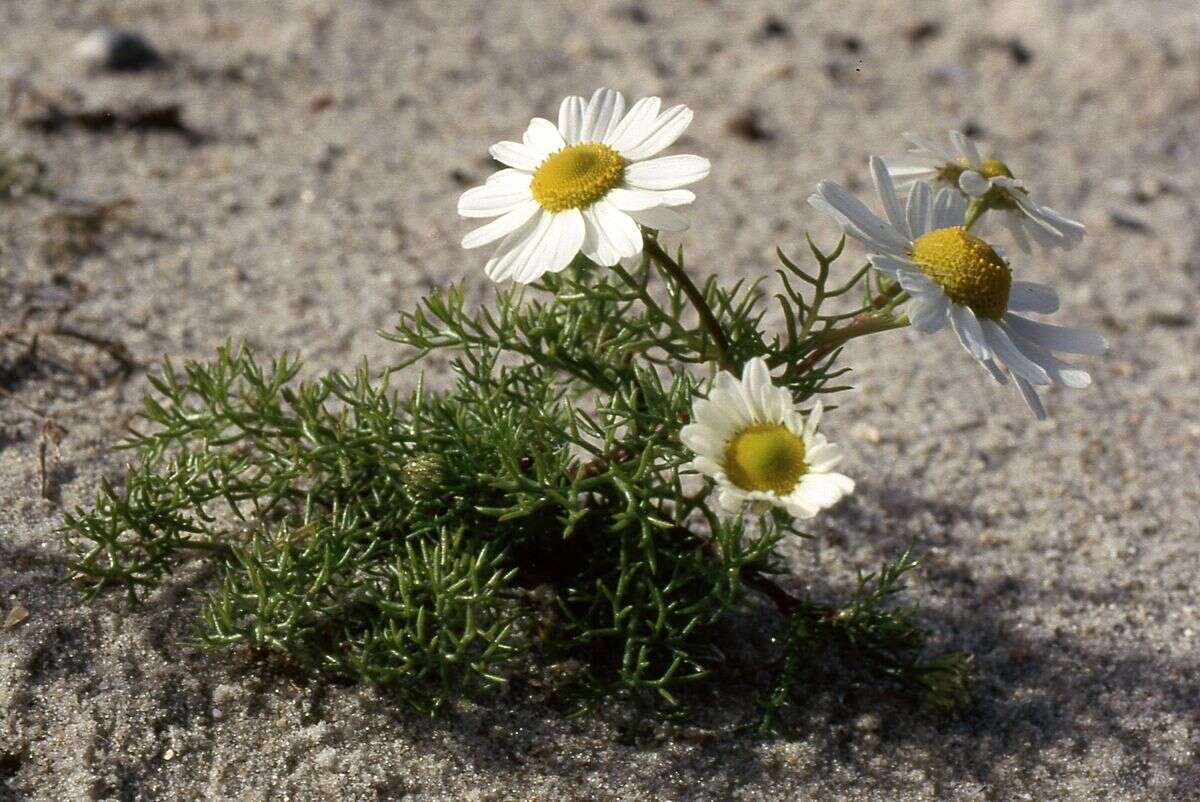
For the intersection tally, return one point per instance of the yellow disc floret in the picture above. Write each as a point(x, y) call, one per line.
point(576, 176)
point(766, 457)
point(970, 272)
point(991, 168)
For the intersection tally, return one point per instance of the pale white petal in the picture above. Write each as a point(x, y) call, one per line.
point(966, 148)
point(920, 209)
point(858, 221)
point(948, 208)
point(658, 136)
point(545, 244)
point(890, 265)
point(542, 137)
point(756, 379)
point(814, 419)
point(510, 175)
point(973, 183)
point(966, 326)
point(501, 226)
point(629, 199)
point(570, 118)
point(604, 111)
point(824, 457)
point(995, 370)
point(1060, 372)
point(667, 172)
point(661, 219)
point(1057, 338)
point(1031, 398)
point(1026, 296)
point(493, 199)
point(635, 125)
point(514, 154)
point(887, 194)
point(917, 282)
point(928, 312)
point(732, 499)
point(1012, 356)
point(611, 235)
point(677, 197)
point(929, 146)
point(912, 168)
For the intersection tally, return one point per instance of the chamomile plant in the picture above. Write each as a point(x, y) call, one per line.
point(620, 451)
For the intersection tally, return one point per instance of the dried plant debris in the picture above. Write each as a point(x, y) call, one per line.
point(18, 615)
point(50, 114)
point(40, 339)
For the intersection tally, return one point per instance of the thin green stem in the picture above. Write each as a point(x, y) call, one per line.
point(707, 318)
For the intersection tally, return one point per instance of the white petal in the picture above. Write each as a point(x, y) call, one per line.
point(1012, 356)
point(890, 265)
point(732, 499)
point(973, 183)
point(887, 194)
point(1060, 372)
point(661, 219)
point(917, 282)
point(493, 200)
point(542, 137)
point(510, 175)
point(929, 146)
point(611, 234)
point(966, 148)
point(995, 370)
point(823, 458)
point(633, 128)
point(859, 221)
point(1026, 296)
point(570, 118)
point(948, 208)
point(912, 168)
point(967, 327)
point(514, 154)
point(814, 419)
point(633, 200)
point(604, 111)
point(920, 209)
point(756, 379)
point(658, 136)
point(1031, 398)
point(677, 197)
point(546, 244)
point(928, 312)
point(667, 172)
point(501, 226)
point(1057, 338)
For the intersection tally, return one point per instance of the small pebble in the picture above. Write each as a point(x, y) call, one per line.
point(116, 50)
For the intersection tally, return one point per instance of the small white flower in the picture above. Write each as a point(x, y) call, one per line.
point(585, 184)
point(950, 274)
point(962, 167)
point(750, 437)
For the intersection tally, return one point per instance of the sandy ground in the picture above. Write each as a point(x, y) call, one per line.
point(313, 196)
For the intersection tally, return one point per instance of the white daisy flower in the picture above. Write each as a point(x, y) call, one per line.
point(950, 274)
point(751, 438)
point(585, 184)
point(992, 181)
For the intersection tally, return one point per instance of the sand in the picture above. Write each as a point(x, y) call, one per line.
point(312, 196)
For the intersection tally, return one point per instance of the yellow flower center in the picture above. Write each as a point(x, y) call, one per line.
point(990, 168)
point(766, 457)
point(576, 176)
point(966, 267)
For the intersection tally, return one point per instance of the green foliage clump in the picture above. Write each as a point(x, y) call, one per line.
point(537, 515)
